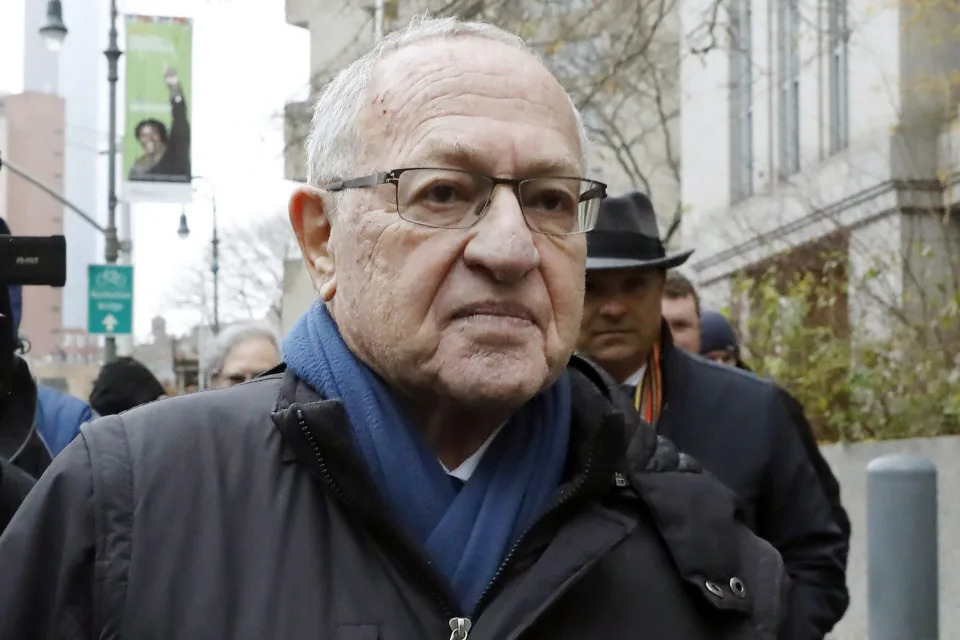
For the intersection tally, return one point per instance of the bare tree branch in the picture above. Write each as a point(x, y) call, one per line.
point(250, 275)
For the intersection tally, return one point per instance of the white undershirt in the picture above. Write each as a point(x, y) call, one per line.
point(468, 466)
point(637, 377)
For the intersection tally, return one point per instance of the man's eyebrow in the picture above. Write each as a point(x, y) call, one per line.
point(461, 157)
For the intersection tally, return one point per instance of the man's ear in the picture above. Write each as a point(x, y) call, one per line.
point(310, 210)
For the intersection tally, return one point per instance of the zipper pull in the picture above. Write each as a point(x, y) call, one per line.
point(460, 628)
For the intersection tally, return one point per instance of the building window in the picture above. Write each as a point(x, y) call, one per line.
point(839, 92)
point(789, 79)
point(741, 100)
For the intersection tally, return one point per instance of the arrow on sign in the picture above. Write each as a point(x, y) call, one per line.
point(110, 322)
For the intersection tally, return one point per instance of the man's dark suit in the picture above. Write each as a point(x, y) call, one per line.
point(740, 429)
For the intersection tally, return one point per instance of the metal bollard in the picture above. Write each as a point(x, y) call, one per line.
point(902, 591)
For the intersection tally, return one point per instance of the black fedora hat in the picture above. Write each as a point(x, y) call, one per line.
point(626, 236)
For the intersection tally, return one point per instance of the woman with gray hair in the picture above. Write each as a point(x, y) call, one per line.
point(241, 353)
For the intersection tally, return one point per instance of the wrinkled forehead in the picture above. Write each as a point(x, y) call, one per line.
point(471, 103)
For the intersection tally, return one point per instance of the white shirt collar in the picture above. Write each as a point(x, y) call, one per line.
point(468, 466)
point(637, 377)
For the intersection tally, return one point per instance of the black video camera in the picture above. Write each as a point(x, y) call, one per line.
point(33, 260)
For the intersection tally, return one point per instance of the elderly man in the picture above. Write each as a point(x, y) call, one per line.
point(733, 423)
point(242, 352)
point(431, 464)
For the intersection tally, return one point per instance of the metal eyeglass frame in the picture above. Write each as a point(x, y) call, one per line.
point(598, 190)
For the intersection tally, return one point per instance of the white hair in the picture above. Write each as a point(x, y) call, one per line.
point(335, 144)
point(233, 336)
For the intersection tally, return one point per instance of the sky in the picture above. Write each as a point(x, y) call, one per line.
point(247, 64)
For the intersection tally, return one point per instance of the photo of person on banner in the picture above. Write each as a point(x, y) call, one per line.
point(166, 152)
point(158, 123)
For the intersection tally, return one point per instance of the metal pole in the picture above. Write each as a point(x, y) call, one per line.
point(50, 192)
point(215, 255)
point(112, 247)
point(125, 230)
point(215, 269)
point(902, 581)
point(378, 20)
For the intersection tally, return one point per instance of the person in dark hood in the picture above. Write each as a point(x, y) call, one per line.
point(124, 384)
point(23, 454)
point(733, 423)
point(59, 415)
point(20, 442)
point(718, 342)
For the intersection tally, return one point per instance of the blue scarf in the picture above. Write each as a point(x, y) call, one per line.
point(466, 533)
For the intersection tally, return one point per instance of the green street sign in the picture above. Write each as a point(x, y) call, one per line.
point(110, 299)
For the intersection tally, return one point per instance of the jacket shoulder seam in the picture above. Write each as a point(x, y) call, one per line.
point(113, 498)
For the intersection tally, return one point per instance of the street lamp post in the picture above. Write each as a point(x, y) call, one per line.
point(54, 33)
point(184, 231)
point(378, 21)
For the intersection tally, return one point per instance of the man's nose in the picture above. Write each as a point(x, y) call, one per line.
point(503, 244)
point(613, 308)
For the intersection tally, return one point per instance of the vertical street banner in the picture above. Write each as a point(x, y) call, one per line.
point(156, 143)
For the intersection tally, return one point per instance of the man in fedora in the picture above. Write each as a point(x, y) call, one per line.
point(734, 423)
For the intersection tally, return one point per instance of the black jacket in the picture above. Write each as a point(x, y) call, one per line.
point(15, 484)
point(23, 453)
point(247, 527)
point(740, 429)
point(20, 442)
point(828, 481)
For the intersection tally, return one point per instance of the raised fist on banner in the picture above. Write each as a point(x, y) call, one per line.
point(173, 81)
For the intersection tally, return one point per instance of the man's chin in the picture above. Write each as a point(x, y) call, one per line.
point(612, 351)
point(500, 380)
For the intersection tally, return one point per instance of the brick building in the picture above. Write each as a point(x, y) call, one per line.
point(31, 135)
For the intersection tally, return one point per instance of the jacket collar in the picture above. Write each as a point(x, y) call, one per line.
point(316, 433)
point(610, 447)
point(317, 436)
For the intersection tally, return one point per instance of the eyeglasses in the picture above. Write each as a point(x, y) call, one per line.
point(239, 378)
point(455, 199)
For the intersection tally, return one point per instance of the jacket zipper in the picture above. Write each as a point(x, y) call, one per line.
point(458, 625)
point(460, 628)
point(564, 500)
